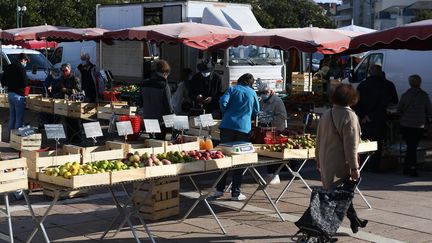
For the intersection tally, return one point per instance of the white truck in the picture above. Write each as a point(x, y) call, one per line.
point(398, 65)
point(127, 59)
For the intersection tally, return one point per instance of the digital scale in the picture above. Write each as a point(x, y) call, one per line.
point(236, 148)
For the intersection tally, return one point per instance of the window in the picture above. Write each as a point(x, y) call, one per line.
point(254, 55)
point(56, 57)
point(363, 69)
point(36, 60)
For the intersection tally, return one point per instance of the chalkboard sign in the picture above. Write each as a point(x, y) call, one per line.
point(124, 128)
point(54, 131)
point(181, 123)
point(26, 131)
point(152, 126)
point(207, 120)
point(169, 120)
point(92, 129)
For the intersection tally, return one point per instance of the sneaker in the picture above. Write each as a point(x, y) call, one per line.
point(240, 197)
point(18, 195)
point(217, 194)
point(273, 180)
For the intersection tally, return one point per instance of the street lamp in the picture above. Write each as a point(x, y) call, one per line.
point(21, 10)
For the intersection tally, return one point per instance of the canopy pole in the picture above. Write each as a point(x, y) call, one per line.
point(46, 56)
point(100, 54)
point(1, 57)
point(310, 72)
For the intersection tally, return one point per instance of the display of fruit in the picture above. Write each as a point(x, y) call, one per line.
point(295, 142)
point(206, 154)
point(128, 89)
point(69, 169)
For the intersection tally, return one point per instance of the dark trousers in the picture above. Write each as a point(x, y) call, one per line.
point(412, 138)
point(375, 131)
point(232, 136)
point(73, 130)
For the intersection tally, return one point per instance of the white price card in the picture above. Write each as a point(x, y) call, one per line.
point(207, 120)
point(169, 120)
point(54, 131)
point(152, 126)
point(124, 128)
point(197, 121)
point(181, 123)
point(92, 129)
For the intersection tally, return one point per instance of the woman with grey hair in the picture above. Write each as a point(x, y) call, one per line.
point(415, 109)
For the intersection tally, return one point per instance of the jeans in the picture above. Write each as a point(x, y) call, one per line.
point(16, 110)
point(412, 138)
point(232, 136)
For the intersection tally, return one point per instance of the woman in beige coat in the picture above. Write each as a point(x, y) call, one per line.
point(337, 142)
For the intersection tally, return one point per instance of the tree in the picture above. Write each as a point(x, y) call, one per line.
point(422, 15)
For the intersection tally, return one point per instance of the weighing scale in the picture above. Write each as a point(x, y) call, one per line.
point(236, 148)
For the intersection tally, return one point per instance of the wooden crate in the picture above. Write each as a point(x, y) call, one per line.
point(240, 159)
point(191, 143)
point(46, 105)
point(4, 102)
point(161, 171)
point(77, 181)
point(38, 161)
point(190, 167)
point(60, 107)
point(217, 164)
point(367, 147)
point(132, 147)
point(105, 111)
point(13, 175)
point(82, 110)
point(31, 142)
point(96, 153)
point(158, 199)
point(32, 102)
point(49, 192)
point(285, 154)
point(128, 175)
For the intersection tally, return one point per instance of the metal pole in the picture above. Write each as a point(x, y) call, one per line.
point(17, 14)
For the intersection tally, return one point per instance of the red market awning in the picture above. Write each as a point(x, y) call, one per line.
point(4, 35)
point(200, 36)
point(310, 39)
point(33, 44)
point(414, 36)
point(72, 34)
point(28, 33)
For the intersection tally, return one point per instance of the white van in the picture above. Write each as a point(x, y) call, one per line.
point(398, 66)
point(70, 52)
point(36, 68)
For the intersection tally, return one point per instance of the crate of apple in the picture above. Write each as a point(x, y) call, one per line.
point(206, 154)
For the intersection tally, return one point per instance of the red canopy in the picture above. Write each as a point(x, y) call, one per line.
point(4, 35)
point(33, 44)
point(28, 33)
point(414, 36)
point(200, 36)
point(71, 34)
point(310, 39)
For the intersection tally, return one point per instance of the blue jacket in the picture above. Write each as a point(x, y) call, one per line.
point(239, 104)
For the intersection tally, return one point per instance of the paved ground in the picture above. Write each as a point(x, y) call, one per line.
point(402, 212)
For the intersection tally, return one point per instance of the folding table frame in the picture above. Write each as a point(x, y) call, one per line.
point(6, 211)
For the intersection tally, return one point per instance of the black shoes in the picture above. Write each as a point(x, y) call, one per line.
point(355, 223)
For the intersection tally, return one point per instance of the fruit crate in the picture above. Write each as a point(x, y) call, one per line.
point(190, 167)
point(77, 181)
point(4, 100)
point(190, 143)
point(31, 142)
point(60, 107)
point(160, 171)
point(105, 111)
point(217, 164)
point(46, 105)
point(48, 191)
point(128, 175)
point(13, 175)
point(284, 154)
point(38, 161)
point(32, 102)
point(367, 147)
point(158, 199)
point(82, 110)
point(132, 147)
point(95, 153)
point(240, 159)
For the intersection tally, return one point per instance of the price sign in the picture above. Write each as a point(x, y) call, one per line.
point(54, 131)
point(181, 123)
point(92, 129)
point(197, 121)
point(207, 120)
point(26, 131)
point(169, 120)
point(152, 126)
point(124, 128)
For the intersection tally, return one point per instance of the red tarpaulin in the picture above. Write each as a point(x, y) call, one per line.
point(72, 34)
point(414, 36)
point(310, 39)
point(200, 36)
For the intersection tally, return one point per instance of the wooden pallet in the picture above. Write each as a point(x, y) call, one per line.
point(60, 107)
point(49, 192)
point(13, 175)
point(96, 153)
point(82, 110)
point(38, 161)
point(158, 199)
point(31, 142)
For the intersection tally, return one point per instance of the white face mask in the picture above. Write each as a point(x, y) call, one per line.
point(205, 74)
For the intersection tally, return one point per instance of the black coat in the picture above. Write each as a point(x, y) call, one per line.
point(71, 84)
point(207, 87)
point(15, 78)
point(156, 98)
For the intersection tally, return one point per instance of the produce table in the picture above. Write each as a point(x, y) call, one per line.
point(6, 211)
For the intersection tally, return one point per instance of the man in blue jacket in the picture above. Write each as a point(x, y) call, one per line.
point(238, 105)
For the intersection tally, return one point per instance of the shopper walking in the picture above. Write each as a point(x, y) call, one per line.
point(15, 79)
point(415, 110)
point(338, 137)
point(238, 105)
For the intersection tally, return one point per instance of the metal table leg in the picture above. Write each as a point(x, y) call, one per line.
point(295, 174)
point(6, 211)
point(127, 211)
point(262, 185)
point(203, 197)
point(39, 223)
point(229, 186)
point(356, 188)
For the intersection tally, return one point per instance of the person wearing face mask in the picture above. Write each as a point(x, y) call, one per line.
point(92, 86)
point(156, 95)
point(15, 79)
point(273, 107)
point(206, 88)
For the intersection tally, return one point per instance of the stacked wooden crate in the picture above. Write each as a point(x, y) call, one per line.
point(46, 105)
point(105, 111)
point(31, 142)
point(82, 110)
point(13, 175)
point(33, 103)
point(60, 107)
point(301, 82)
